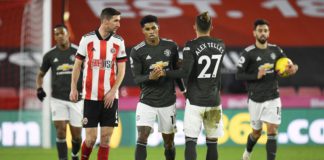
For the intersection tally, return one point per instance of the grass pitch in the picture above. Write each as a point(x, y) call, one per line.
point(156, 153)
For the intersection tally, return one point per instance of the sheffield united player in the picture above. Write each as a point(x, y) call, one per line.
point(201, 69)
point(257, 67)
point(103, 53)
point(157, 99)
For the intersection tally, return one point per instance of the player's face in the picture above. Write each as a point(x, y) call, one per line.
point(151, 31)
point(261, 33)
point(61, 35)
point(112, 24)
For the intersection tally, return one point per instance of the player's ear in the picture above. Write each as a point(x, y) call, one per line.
point(254, 33)
point(194, 27)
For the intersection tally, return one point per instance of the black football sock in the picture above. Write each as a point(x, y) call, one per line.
point(140, 151)
point(212, 153)
point(76, 144)
point(251, 141)
point(190, 150)
point(170, 153)
point(271, 146)
point(61, 149)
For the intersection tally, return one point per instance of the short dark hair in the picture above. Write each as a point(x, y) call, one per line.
point(107, 13)
point(148, 19)
point(60, 26)
point(260, 22)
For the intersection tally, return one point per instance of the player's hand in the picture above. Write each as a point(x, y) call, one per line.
point(262, 72)
point(74, 95)
point(109, 99)
point(291, 69)
point(41, 94)
point(155, 74)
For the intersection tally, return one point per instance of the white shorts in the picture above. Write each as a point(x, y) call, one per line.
point(210, 117)
point(268, 111)
point(166, 116)
point(67, 111)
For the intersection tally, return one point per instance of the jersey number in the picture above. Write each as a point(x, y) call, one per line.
point(208, 60)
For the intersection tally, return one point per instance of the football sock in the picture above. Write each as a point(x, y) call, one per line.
point(140, 151)
point(170, 153)
point(86, 151)
point(76, 144)
point(212, 153)
point(103, 152)
point(190, 149)
point(61, 148)
point(251, 141)
point(271, 146)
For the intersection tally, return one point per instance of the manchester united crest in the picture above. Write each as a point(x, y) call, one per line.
point(167, 52)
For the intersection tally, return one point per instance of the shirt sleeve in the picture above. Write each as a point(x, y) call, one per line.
point(136, 67)
point(82, 50)
point(242, 66)
point(176, 65)
point(186, 67)
point(121, 55)
point(46, 64)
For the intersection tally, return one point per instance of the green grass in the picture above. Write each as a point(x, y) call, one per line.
point(156, 153)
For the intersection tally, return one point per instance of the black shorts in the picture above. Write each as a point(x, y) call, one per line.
point(94, 112)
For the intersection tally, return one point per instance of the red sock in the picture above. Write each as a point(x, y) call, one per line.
point(103, 153)
point(85, 151)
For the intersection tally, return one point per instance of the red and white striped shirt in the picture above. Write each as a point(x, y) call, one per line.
point(100, 68)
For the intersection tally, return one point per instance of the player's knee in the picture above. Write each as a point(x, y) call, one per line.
point(142, 137)
point(90, 142)
point(256, 134)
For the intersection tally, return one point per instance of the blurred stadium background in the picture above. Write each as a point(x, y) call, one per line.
point(296, 26)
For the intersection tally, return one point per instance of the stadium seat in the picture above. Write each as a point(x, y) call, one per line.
point(309, 91)
point(287, 91)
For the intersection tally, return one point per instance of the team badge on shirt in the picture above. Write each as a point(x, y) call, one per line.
point(113, 50)
point(167, 52)
point(273, 56)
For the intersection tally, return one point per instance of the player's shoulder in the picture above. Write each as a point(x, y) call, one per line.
point(249, 48)
point(274, 47)
point(87, 35)
point(139, 46)
point(118, 37)
point(166, 41)
point(74, 46)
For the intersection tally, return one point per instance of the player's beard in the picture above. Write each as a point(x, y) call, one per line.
point(262, 39)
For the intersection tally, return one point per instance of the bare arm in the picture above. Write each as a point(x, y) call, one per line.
point(74, 80)
point(39, 79)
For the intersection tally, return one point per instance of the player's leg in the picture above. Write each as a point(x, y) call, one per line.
point(61, 145)
point(90, 121)
point(145, 118)
point(214, 129)
point(167, 126)
point(272, 117)
point(255, 111)
point(108, 120)
point(60, 116)
point(76, 127)
point(192, 127)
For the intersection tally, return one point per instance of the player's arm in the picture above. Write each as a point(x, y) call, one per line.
point(186, 67)
point(291, 69)
point(242, 65)
point(111, 94)
point(75, 77)
point(137, 67)
point(40, 77)
point(177, 62)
